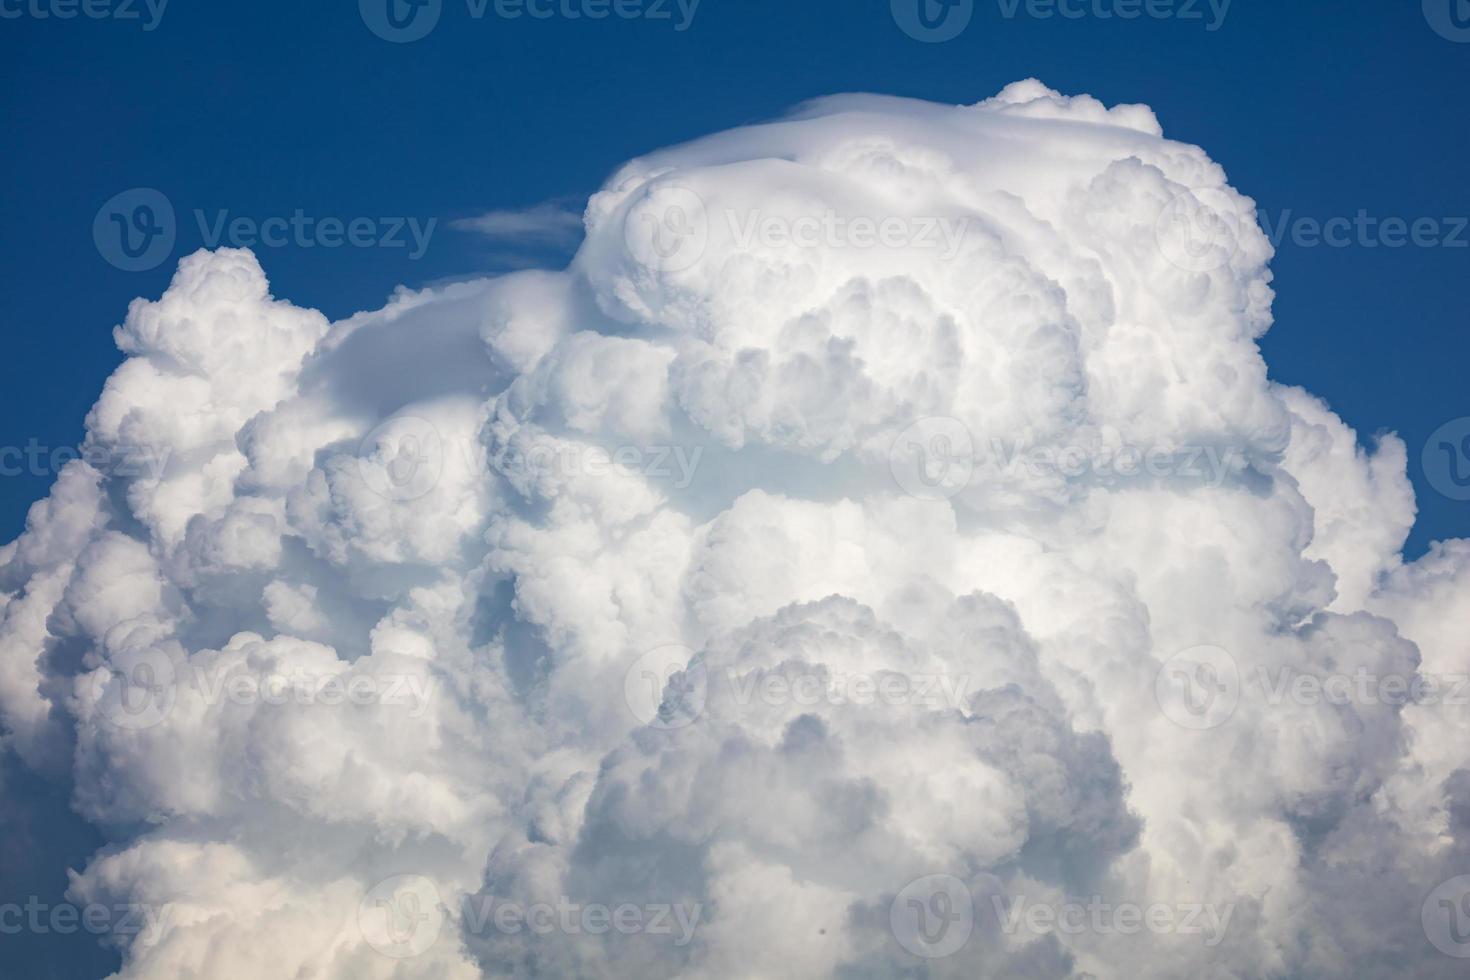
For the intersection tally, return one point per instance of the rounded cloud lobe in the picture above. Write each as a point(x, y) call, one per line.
point(891, 494)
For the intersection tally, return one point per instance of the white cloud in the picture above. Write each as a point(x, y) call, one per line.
point(917, 546)
point(548, 223)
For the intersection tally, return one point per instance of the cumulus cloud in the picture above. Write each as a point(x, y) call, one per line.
point(881, 551)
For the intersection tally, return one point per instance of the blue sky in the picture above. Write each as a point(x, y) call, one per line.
point(1319, 110)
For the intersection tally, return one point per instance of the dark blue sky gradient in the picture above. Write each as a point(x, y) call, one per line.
point(1317, 108)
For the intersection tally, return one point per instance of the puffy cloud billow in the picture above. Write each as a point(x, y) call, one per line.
point(881, 552)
